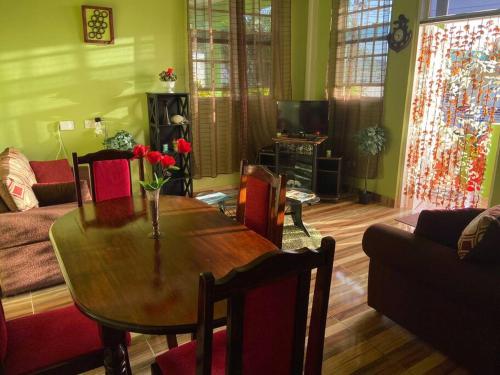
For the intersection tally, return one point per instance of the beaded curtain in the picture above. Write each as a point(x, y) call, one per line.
point(455, 103)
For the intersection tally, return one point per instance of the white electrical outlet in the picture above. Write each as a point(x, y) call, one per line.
point(67, 125)
point(89, 124)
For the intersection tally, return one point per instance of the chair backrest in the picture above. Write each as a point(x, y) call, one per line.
point(261, 201)
point(267, 304)
point(110, 175)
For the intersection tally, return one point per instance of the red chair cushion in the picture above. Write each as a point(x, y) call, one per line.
point(3, 335)
point(45, 339)
point(111, 179)
point(257, 205)
point(52, 171)
point(182, 360)
point(269, 324)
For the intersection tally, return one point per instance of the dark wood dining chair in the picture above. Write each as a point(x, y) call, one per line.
point(267, 305)
point(61, 341)
point(110, 175)
point(261, 201)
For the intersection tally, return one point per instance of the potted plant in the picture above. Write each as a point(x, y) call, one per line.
point(168, 77)
point(371, 142)
point(122, 140)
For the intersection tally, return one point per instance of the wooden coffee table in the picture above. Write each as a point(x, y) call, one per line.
point(128, 282)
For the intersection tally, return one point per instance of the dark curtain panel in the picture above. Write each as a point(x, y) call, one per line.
point(357, 67)
point(239, 66)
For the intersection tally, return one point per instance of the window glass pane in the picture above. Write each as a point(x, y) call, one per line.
point(362, 47)
point(449, 7)
point(210, 27)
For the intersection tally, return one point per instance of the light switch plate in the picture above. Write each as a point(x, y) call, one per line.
point(89, 124)
point(67, 125)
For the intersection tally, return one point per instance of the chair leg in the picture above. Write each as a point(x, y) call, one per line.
point(155, 369)
point(193, 336)
point(172, 341)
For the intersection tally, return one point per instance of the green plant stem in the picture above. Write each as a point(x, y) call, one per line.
point(366, 175)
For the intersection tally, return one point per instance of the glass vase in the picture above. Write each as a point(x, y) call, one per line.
point(153, 197)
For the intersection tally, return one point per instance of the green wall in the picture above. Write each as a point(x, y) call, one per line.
point(397, 97)
point(299, 47)
point(320, 59)
point(495, 171)
point(48, 74)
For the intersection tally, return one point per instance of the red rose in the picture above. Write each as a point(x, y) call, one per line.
point(170, 71)
point(167, 161)
point(183, 146)
point(140, 151)
point(154, 157)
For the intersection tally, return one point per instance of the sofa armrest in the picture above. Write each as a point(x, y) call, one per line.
point(445, 226)
point(433, 264)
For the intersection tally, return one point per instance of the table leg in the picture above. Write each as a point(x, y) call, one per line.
point(116, 360)
point(296, 213)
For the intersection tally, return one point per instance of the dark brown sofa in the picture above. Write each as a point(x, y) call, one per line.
point(27, 259)
point(417, 280)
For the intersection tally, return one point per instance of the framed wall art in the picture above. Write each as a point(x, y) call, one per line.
point(97, 24)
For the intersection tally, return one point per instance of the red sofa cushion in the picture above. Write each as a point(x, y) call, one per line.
point(52, 171)
point(182, 360)
point(111, 179)
point(41, 340)
point(257, 205)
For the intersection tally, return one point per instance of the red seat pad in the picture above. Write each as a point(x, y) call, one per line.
point(3, 335)
point(111, 179)
point(52, 171)
point(182, 360)
point(45, 339)
point(257, 205)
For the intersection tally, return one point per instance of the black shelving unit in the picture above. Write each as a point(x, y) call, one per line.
point(161, 108)
point(329, 171)
point(299, 160)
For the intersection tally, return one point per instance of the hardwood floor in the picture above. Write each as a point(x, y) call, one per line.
point(358, 339)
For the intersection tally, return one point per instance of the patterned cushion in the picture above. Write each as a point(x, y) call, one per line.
point(16, 179)
point(475, 232)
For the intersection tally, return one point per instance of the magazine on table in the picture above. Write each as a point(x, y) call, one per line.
point(213, 198)
point(300, 196)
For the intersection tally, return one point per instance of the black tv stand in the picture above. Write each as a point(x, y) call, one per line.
point(299, 160)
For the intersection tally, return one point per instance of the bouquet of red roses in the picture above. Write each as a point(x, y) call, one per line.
point(165, 162)
point(168, 75)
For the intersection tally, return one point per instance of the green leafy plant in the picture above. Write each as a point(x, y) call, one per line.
point(371, 142)
point(122, 140)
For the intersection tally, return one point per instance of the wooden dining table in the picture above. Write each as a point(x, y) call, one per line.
point(126, 281)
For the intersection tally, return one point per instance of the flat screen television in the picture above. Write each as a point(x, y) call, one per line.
point(304, 116)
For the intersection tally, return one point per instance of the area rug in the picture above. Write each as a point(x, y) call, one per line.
point(410, 220)
point(295, 238)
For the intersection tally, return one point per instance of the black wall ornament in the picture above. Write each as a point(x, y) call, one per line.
point(400, 35)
